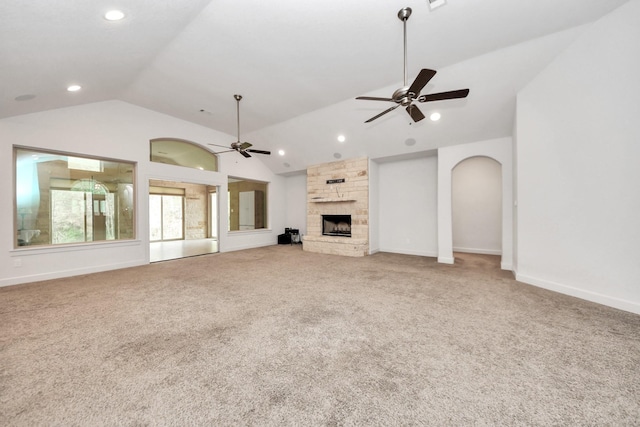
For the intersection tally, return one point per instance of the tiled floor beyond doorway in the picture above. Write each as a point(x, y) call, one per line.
point(163, 251)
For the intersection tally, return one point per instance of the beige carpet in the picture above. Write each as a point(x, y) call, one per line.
point(278, 336)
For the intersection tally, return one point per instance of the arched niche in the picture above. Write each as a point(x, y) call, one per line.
point(476, 205)
point(499, 150)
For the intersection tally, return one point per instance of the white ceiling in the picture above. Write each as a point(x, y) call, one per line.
point(297, 64)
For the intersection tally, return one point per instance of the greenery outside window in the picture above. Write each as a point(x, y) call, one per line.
point(247, 204)
point(166, 213)
point(61, 199)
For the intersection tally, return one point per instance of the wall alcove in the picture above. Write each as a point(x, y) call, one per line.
point(476, 195)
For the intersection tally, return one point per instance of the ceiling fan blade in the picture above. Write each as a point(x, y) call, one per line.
point(454, 94)
point(216, 145)
point(421, 81)
point(383, 113)
point(245, 145)
point(268, 153)
point(374, 98)
point(415, 112)
point(225, 151)
point(244, 153)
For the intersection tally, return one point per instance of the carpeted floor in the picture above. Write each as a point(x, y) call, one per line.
point(278, 336)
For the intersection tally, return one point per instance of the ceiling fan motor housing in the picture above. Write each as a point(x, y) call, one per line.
point(402, 96)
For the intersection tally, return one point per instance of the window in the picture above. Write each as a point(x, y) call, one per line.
point(247, 204)
point(183, 153)
point(64, 199)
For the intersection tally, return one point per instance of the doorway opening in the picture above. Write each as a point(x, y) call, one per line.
point(183, 220)
point(476, 198)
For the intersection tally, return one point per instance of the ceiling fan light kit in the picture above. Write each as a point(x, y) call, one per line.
point(240, 147)
point(406, 95)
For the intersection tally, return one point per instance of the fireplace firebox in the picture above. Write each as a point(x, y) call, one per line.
point(336, 225)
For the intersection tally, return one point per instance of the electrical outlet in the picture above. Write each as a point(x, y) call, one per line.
point(17, 262)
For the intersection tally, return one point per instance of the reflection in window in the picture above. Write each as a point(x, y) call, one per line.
point(183, 153)
point(63, 199)
point(247, 204)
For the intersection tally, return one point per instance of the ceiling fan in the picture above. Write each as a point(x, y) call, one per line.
point(240, 147)
point(407, 94)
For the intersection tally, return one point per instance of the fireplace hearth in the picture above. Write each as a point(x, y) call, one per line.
point(336, 225)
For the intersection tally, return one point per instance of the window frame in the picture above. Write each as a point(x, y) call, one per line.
point(265, 210)
point(48, 247)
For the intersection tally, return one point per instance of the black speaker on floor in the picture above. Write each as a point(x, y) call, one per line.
point(291, 235)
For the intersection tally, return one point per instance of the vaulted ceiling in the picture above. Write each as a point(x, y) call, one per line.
point(299, 65)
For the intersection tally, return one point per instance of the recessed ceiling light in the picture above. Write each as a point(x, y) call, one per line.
point(281, 152)
point(435, 117)
point(341, 138)
point(74, 88)
point(114, 15)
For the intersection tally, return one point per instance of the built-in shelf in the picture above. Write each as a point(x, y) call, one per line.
point(323, 200)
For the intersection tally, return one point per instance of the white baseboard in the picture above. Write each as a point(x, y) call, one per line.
point(446, 260)
point(409, 252)
point(244, 247)
point(68, 273)
point(478, 251)
point(618, 303)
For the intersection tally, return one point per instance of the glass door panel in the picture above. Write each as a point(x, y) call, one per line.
point(166, 217)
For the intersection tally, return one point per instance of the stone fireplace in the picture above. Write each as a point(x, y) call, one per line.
point(338, 208)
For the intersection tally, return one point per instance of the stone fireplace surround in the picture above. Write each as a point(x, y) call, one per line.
point(350, 197)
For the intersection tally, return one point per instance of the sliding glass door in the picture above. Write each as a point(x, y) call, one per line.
point(166, 217)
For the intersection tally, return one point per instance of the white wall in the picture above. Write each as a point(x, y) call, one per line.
point(296, 202)
point(407, 206)
point(448, 157)
point(374, 207)
point(578, 162)
point(117, 130)
point(476, 198)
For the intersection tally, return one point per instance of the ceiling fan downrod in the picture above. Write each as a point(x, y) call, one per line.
point(403, 15)
point(238, 98)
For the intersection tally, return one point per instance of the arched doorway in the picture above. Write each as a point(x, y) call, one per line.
point(476, 204)
point(499, 150)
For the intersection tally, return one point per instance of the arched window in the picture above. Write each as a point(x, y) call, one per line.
point(183, 153)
